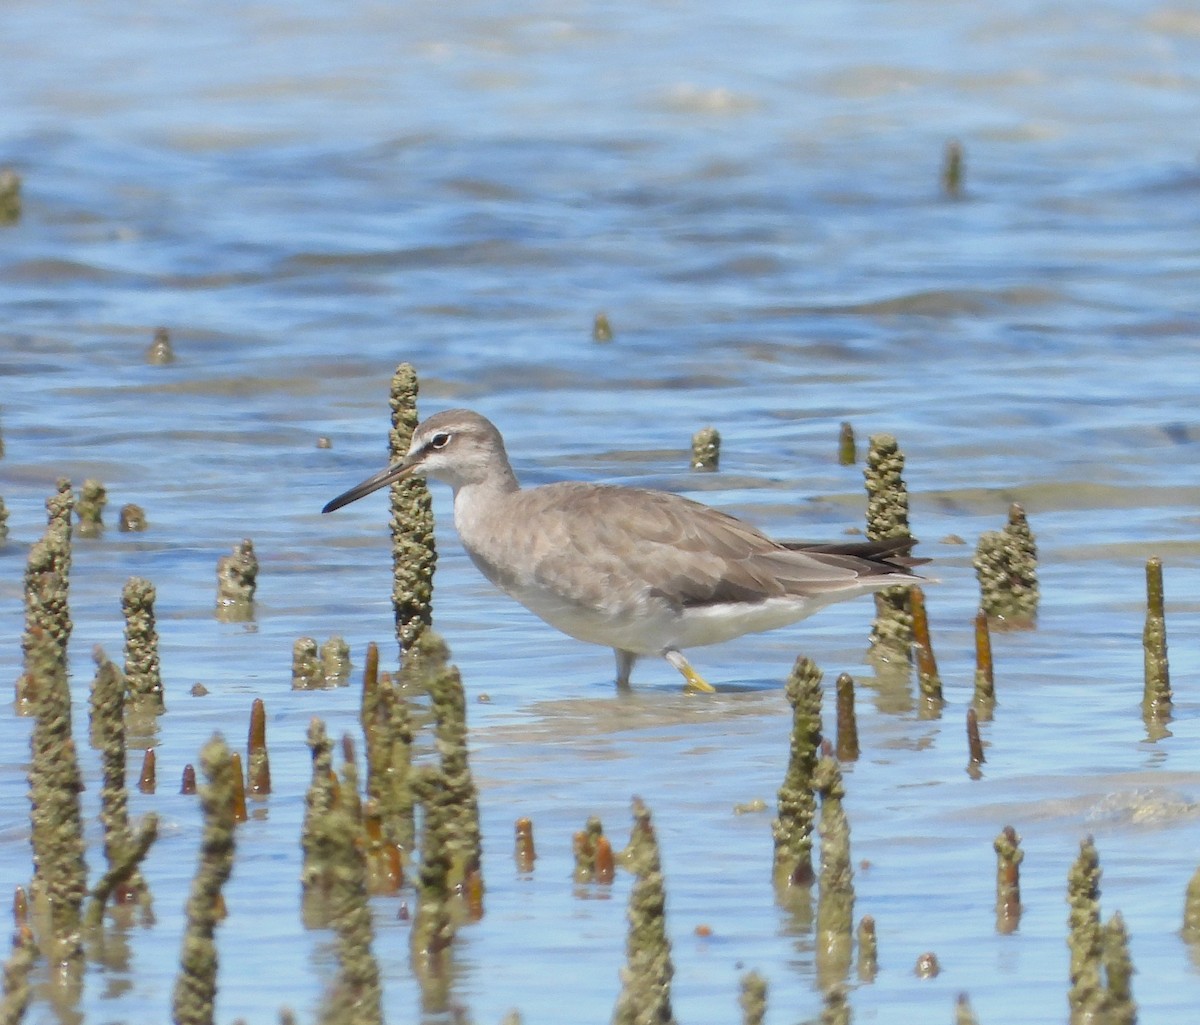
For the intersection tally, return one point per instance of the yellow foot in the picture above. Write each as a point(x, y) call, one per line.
point(696, 684)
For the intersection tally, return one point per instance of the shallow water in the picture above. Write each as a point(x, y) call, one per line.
point(307, 195)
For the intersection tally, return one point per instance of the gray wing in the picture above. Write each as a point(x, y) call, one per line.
point(640, 543)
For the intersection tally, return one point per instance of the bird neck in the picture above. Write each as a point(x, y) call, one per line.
point(474, 500)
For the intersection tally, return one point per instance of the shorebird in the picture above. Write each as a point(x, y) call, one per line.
point(642, 572)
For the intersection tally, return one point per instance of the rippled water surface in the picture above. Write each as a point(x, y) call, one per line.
point(306, 195)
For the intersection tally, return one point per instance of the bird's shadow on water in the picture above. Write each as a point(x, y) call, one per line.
point(645, 708)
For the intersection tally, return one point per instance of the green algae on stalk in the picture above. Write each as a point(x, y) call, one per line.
point(887, 517)
point(847, 446)
point(1156, 695)
point(429, 659)
point(17, 969)
point(90, 508)
point(60, 869)
point(847, 721)
point(706, 450)
point(753, 998)
point(10, 196)
point(388, 730)
point(1118, 973)
point(984, 698)
point(1191, 910)
point(646, 977)
point(316, 872)
point(835, 888)
point(160, 352)
point(792, 827)
point(928, 680)
point(131, 519)
point(237, 580)
point(1006, 567)
point(435, 920)
point(306, 665)
point(1008, 880)
point(196, 984)
point(142, 671)
point(963, 1015)
point(335, 662)
point(355, 997)
point(108, 735)
point(836, 1009)
point(1088, 995)
point(414, 550)
point(47, 594)
point(3, 518)
point(601, 328)
point(868, 949)
point(952, 170)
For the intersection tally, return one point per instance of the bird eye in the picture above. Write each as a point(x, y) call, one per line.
point(439, 440)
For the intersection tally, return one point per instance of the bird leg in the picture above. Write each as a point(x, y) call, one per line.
point(695, 682)
point(625, 660)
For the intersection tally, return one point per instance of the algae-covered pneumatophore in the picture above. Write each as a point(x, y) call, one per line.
point(1156, 693)
point(17, 991)
point(160, 352)
point(868, 949)
point(427, 665)
point(929, 683)
point(60, 871)
point(388, 731)
point(237, 579)
point(1008, 880)
point(10, 196)
point(355, 996)
point(984, 698)
point(753, 999)
point(47, 607)
point(131, 519)
point(1191, 911)
point(335, 662)
point(1006, 566)
point(123, 881)
point(414, 551)
point(835, 888)
point(196, 984)
point(847, 721)
point(594, 858)
point(706, 450)
point(847, 446)
point(436, 920)
point(646, 977)
point(952, 170)
point(316, 873)
point(601, 329)
point(3, 515)
point(887, 517)
point(142, 672)
point(793, 825)
point(1100, 966)
point(90, 508)
point(963, 1015)
point(306, 665)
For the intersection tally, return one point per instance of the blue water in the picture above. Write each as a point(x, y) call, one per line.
point(307, 195)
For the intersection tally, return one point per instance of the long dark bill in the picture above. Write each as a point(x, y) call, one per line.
point(382, 479)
